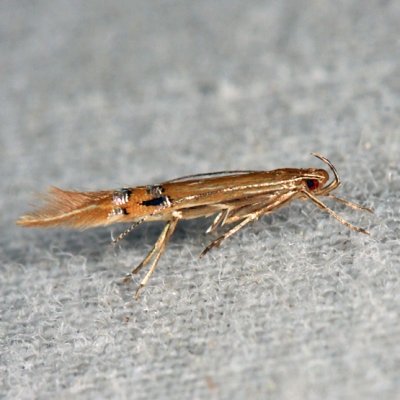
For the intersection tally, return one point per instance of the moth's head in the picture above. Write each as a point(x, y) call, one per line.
point(321, 177)
point(314, 180)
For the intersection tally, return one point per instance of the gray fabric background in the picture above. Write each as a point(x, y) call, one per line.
point(99, 95)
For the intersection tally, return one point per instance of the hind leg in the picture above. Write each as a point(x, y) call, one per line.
point(160, 247)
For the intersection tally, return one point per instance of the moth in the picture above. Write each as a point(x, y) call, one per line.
point(236, 197)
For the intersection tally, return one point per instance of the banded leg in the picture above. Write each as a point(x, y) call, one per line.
point(130, 229)
point(160, 247)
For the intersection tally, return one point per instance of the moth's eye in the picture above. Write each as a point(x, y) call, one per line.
point(312, 184)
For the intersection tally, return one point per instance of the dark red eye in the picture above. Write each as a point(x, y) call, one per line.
point(312, 184)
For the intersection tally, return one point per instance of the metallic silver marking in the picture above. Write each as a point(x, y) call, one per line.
point(154, 190)
point(167, 203)
point(117, 211)
point(121, 196)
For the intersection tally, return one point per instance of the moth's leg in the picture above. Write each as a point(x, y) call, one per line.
point(348, 204)
point(220, 217)
point(253, 212)
point(130, 229)
point(268, 206)
point(321, 205)
point(217, 242)
point(161, 244)
point(151, 253)
point(238, 213)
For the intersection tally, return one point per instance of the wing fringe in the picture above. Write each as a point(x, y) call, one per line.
point(70, 209)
